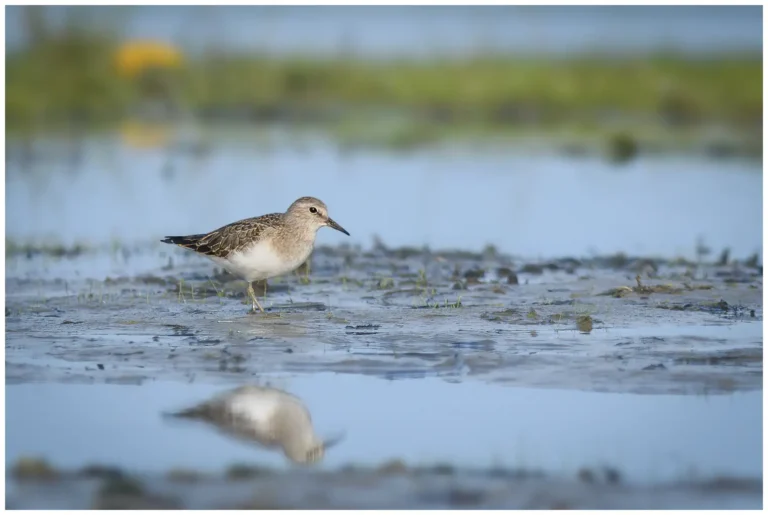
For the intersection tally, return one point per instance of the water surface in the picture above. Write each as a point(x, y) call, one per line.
point(527, 205)
point(650, 439)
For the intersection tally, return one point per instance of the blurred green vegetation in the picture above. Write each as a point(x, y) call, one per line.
point(67, 77)
point(492, 90)
point(73, 76)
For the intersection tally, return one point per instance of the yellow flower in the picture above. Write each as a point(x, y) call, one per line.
point(136, 56)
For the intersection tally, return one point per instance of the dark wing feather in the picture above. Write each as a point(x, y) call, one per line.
point(227, 239)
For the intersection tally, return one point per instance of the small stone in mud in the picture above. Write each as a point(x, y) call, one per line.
point(289, 350)
point(101, 367)
point(584, 323)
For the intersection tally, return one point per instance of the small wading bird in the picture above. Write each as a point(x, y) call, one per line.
point(267, 416)
point(267, 246)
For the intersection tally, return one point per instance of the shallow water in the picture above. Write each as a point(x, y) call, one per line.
point(654, 438)
point(527, 205)
point(474, 361)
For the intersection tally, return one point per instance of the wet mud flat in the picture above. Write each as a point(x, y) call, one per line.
point(141, 320)
point(606, 324)
point(392, 485)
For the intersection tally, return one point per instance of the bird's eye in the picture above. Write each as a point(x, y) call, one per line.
point(313, 209)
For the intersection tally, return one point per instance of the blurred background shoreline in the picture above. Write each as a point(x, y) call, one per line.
point(397, 78)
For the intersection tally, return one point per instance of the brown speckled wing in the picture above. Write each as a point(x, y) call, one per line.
point(227, 239)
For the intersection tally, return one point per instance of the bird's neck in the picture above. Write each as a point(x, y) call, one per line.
point(296, 240)
point(301, 232)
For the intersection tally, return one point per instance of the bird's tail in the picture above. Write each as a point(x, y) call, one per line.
point(184, 241)
point(194, 412)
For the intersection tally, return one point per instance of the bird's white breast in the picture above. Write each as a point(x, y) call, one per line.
point(266, 410)
point(258, 408)
point(261, 261)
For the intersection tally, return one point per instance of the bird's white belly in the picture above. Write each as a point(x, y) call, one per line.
point(261, 261)
point(258, 409)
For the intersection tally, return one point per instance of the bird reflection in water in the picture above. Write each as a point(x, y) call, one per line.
point(268, 416)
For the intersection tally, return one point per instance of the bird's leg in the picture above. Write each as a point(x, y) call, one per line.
point(252, 295)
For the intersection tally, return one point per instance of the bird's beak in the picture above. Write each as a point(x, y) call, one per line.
point(333, 441)
point(334, 225)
